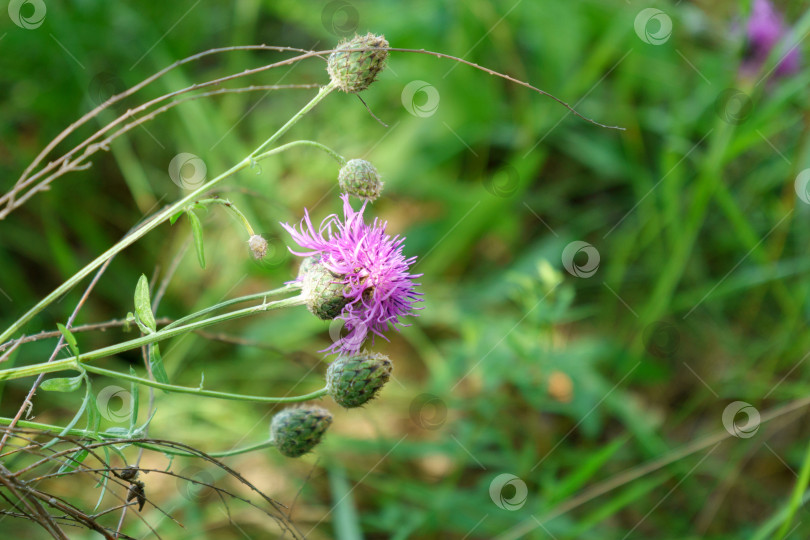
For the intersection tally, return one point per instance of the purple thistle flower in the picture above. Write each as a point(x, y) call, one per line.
point(369, 263)
point(765, 29)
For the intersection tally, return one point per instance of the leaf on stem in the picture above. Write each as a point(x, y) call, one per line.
point(69, 337)
point(62, 384)
point(143, 307)
point(197, 232)
point(73, 461)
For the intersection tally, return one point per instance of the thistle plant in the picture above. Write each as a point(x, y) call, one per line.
point(351, 270)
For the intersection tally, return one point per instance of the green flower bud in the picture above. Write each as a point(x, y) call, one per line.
point(296, 431)
point(322, 289)
point(355, 71)
point(359, 178)
point(354, 380)
point(258, 246)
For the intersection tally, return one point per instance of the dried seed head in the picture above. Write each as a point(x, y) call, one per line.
point(322, 289)
point(258, 246)
point(359, 178)
point(354, 71)
point(354, 380)
point(296, 431)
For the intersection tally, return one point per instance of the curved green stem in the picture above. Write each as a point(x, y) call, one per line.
point(232, 301)
point(160, 217)
point(157, 448)
point(232, 207)
point(164, 333)
point(200, 392)
point(337, 157)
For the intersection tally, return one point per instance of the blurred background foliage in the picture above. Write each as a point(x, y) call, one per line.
point(515, 366)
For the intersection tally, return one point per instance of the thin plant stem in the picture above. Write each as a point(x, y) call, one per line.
point(232, 207)
point(199, 391)
point(135, 442)
point(164, 333)
point(232, 301)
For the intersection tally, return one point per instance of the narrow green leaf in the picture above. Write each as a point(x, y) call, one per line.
point(103, 480)
point(346, 519)
point(197, 232)
point(175, 217)
point(73, 461)
point(62, 384)
point(156, 363)
point(133, 401)
point(93, 417)
point(143, 305)
point(69, 337)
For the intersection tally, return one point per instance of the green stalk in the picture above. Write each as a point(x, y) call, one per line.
point(226, 303)
point(796, 497)
point(160, 335)
point(204, 393)
point(162, 216)
point(337, 157)
point(157, 448)
point(232, 207)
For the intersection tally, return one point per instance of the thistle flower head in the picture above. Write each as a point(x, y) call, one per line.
point(354, 380)
point(322, 289)
point(297, 430)
point(367, 264)
point(359, 178)
point(354, 71)
point(258, 246)
point(765, 29)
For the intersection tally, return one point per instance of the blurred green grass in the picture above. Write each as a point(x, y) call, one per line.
point(699, 232)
